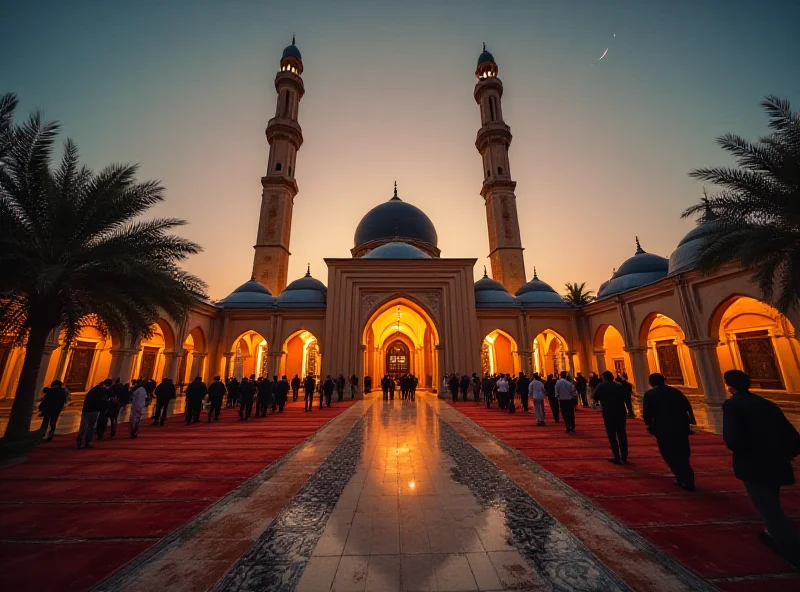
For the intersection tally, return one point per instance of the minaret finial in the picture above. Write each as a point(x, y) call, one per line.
point(639, 248)
point(486, 275)
point(536, 277)
point(484, 46)
point(292, 38)
point(396, 197)
point(308, 270)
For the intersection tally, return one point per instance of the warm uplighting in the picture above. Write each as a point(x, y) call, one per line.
point(411, 484)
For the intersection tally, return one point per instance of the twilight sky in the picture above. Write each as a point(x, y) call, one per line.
point(600, 154)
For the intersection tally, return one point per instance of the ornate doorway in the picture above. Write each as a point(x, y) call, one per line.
point(397, 358)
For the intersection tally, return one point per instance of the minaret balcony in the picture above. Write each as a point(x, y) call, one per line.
point(485, 84)
point(282, 127)
point(496, 131)
point(287, 77)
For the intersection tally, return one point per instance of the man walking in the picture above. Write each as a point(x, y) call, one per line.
point(763, 443)
point(340, 381)
point(327, 391)
point(94, 402)
point(165, 392)
point(233, 393)
point(502, 392)
point(550, 389)
point(281, 393)
point(247, 392)
point(216, 393)
point(580, 386)
point(265, 396)
point(453, 384)
point(537, 394)
point(487, 387)
point(385, 387)
point(53, 403)
point(623, 380)
point(309, 384)
point(567, 399)
point(195, 393)
point(464, 386)
point(668, 414)
point(138, 407)
point(612, 397)
point(295, 387)
point(522, 390)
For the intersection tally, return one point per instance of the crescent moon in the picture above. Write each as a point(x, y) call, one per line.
point(604, 55)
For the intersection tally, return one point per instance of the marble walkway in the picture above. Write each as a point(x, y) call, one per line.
point(403, 495)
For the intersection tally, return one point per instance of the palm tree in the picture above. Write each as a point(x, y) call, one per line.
point(756, 212)
point(578, 295)
point(73, 251)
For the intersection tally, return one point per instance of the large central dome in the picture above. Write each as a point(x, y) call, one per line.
point(395, 221)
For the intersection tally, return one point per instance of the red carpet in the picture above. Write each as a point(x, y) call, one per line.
point(712, 531)
point(71, 517)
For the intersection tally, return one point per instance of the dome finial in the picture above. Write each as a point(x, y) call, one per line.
point(639, 248)
point(484, 46)
point(308, 270)
point(395, 197)
point(293, 39)
point(536, 277)
point(253, 277)
point(486, 275)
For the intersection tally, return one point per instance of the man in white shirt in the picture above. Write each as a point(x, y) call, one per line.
point(138, 405)
point(567, 397)
point(537, 393)
point(502, 391)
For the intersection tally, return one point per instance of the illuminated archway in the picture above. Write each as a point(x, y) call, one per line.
point(150, 361)
point(401, 320)
point(755, 337)
point(666, 351)
point(610, 350)
point(549, 353)
point(250, 357)
point(499, 353)
point(301, 355)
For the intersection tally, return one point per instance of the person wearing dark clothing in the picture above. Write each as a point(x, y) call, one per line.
point(763, 443)
point(550, 389)
point(580, 386)
point(195, 393)
point(414, 383)
point(611, 396)
point(281, 393)
point(233, 393)
point(247, 391)
point(353, 385)
point(623, 380)
point(53, 403)
point(309, 384)
point(667, 413)
point(487, 387)
point(327, 391)
point(464, 385)
point(512, 391)
point(453, 384)
point(110, 417)
point(265, 396)
point(385, 387)
point(368, 384)
point(340, 382)
point(522, 390)
point(392, 386)
point(165, 392)
point(295, 387)
point(476, 387)
point(94, 403)
point(594, 381)
point(216, 393)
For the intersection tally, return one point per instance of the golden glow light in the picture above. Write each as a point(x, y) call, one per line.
point(412, 485)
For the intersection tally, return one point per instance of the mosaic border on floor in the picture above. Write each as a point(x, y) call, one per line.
point(648, 549)
point(557, 556)
point(276, 559)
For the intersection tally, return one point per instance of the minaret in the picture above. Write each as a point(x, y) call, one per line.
point(494, 138)
point(271, 259)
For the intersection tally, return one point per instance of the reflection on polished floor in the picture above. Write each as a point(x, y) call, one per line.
point(414, 517)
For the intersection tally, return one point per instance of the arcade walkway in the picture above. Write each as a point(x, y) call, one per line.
point(384, 496)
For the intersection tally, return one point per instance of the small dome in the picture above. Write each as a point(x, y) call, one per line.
point(305, 292)
point(291, 51)
point(538, 294)
point(490, 293)
point(397, 250)
point(395, 219)
point(685, 254)
point(485, 57)
point(641, 269)
point(250, 294)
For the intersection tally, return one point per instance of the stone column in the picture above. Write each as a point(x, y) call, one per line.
point(438, 355)
point(571, 357)
point(197, 365)
point(274, 363)
point(710, 375)
point(228, 364)
point(171, 360)
point(641, 370)
point(46, 355)
point(61, 367)
point(122, 364)
point(600, 359)
point(525, 361)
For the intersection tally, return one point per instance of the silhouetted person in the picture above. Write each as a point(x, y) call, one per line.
point(353, 386)
point(194, 399)
point(368, 384)
point(340, 382)
point(281, 393)
point(110, 417)
point(567, 399)
point(385, 387)
point(550, 389)
point(464, 385)
point(327, 391)
point(233, 392)
point(392, 386)
point(94, 402)
point(611, 396)
point(487, 388)
point(763, 443)
point(668, 414)
point(453, 385)
point(522, 390)
point(265, 396)
point(309, 384)
point(216, 393)
point(623, 380)
point(247, 391)
point(295, 387)
point(580, 386)
point(165, 392)
point(53, 403)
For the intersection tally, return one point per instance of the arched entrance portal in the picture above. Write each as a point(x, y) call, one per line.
point(301, 355)
point(499, 354)
point(400, 337)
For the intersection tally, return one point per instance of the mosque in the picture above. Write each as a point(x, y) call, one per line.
point(398, 305)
